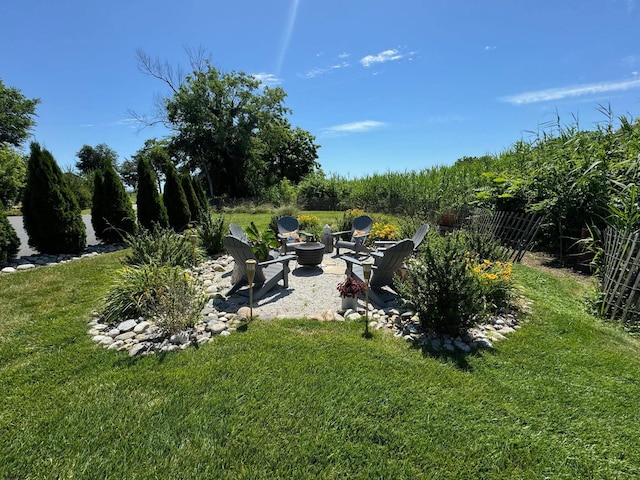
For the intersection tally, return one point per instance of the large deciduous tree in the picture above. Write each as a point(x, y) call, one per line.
point(221, 124)
point(51, 215)
point(93, 158)
point(16, 115)
point(13, 171)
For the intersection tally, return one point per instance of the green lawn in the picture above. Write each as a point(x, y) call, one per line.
point(307, 399)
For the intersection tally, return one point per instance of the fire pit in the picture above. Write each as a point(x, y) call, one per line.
point(309, 253)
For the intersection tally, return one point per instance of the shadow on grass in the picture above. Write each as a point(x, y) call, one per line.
point(458, 358)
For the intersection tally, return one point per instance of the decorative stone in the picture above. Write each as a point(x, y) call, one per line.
point(113, 333)
point(115, 345)
point(26, 266)
point(8, 270)
point(180, 338)
point(219, 328)
point(137, 349)
point(141, 327)
point(127, 325)
point(106, 341)
point(226, 333)
point(125, 336)
point(460, 345)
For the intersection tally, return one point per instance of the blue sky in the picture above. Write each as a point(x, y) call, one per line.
point(382, 85)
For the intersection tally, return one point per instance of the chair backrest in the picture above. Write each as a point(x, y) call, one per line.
point(236, 231)
point(287, 224)
point(418, 237)
point(241, 252)
point(363, 223)
point(391, 260)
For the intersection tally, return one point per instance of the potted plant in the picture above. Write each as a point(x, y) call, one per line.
point(349, 290)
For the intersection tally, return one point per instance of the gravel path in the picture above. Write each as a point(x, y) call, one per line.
point(312, 291)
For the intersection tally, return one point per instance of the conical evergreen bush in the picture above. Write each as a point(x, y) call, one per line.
point(175, 200)
point(200, 193)
point(51, 215)
point(194, 204)
point(9, 241)
point(151, 210)
point(112, 214)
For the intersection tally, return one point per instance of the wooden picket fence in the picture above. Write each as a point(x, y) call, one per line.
point(515, 231)
point(621, 277)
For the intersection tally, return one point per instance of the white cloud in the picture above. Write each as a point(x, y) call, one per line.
point(320, 71)
point(382, 57)
point(571, 91)
point(489, 48)
point(267, 79)
point(355, 127)
point(344, 55)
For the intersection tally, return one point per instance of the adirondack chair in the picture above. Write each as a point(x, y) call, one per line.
point(357, 235)
point(236, 230)
point(267, 275)
point(382, 273)
point(417, 239)
point(289, 233)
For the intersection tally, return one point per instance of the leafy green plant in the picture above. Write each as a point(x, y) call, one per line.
point(9, 241)
point(167, 295)
point(160, 246)
point(261, 242)
point(441, 288)
point(496, 286)
point(210, 232)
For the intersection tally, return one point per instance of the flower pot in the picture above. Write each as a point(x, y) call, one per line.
point(350, 303)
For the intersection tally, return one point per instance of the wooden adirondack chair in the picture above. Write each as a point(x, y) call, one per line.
point(289, 233)
point(358, 234)
point(267, 275)
point(417, 239)
point(236, 230)
point(382, 273)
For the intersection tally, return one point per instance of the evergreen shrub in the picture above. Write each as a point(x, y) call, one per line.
point(175, 200)
point(195, 208)
point(112, 214)
point(51, 215)
point(151, 209)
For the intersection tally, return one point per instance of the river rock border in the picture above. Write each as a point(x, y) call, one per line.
point(219, 317)
point(42, 260)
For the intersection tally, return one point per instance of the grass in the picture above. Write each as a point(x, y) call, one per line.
point(307, 399)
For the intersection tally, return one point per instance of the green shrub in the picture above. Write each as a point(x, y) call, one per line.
point(160, 246)
point(9, 241)
point(168, 296)
point(51, 215)
point(441, 288)
point(112, 214)
point(151, 209)
point(195, 209)
point(344, 224)
point(483, 247)
point(210, 232)
point(175, 200)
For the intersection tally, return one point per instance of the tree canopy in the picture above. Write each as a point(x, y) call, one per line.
point(93, 158)
point(232, 128)
point(16, 115)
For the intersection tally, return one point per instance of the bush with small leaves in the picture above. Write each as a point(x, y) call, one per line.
point(441, 288)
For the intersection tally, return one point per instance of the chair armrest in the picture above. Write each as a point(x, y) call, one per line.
point(340, 233)
point(351, 260)
point(382, 243)
point(284, 258)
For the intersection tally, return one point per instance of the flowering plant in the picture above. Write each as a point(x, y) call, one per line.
point(351, 287)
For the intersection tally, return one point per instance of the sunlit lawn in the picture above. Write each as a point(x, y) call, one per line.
point(307, 399)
